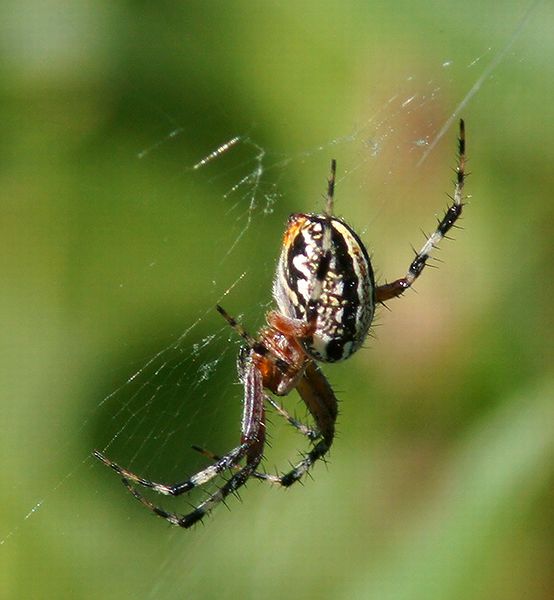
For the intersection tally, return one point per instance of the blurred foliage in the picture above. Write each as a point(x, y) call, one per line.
point(440, 483)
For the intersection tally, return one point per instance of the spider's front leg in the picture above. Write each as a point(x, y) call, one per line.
point(398, 287)
point(251, 447)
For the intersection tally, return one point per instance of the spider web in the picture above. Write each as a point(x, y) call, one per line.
point(167, 401)
point(159, 404)
point(186, 392)
point(171, 397)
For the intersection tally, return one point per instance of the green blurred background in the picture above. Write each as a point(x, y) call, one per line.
point(440, 482)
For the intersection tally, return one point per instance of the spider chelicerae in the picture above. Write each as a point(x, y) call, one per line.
point(326, 295)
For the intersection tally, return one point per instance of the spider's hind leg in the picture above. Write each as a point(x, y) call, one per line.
point(398, 287)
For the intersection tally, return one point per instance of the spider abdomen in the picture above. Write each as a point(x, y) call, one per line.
point(324, 275)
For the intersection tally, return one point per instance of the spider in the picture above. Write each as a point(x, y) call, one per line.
point(326, 295)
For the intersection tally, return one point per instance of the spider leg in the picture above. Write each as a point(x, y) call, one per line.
point(251, 447)
point(326, 253)
point(311, 433)
point(398, 287)
point(251, 343)
point(321, 401)
point(176, 489)
point(296, 328)
point(213, 456)
point(331, 189)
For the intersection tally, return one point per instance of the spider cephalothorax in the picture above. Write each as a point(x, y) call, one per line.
point(326, 295)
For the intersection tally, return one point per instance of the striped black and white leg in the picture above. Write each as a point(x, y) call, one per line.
point(250, 448)
point(398, 287)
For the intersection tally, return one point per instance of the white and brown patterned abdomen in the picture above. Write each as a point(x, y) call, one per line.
point(324, 272)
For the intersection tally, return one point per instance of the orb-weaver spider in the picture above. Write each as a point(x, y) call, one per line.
point(326, 295)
